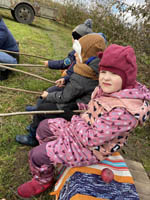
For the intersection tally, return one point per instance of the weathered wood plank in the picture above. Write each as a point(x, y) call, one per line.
point(144, 197)
point(142, 181)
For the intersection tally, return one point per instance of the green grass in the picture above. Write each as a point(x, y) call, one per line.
point(43, 38)
point(51, 40)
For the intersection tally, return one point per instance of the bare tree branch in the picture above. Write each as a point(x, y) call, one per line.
point(21, 90)
point(25, 54)
point(18, 70)
point(38, 112)
point(23, 65)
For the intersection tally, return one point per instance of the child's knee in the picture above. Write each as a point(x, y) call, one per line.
point(38, 156)
point(42, 129)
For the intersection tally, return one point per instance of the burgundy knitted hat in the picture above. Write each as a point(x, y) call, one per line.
point(122, 61)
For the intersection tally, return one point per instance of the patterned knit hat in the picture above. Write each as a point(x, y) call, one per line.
point(82, 29)
point(122, 61)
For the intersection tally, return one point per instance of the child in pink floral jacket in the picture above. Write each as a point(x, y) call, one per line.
point(117, 106)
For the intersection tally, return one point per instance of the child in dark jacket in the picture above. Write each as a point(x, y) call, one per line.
point(78, 32)
point(117, 106)
point(7, 42)
point(78, 90)
point(66, 64)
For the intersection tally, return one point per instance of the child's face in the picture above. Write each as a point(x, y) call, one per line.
point(110, 82)
point(77, 58)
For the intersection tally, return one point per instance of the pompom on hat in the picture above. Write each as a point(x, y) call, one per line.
point(82, 29)
point(122, 61)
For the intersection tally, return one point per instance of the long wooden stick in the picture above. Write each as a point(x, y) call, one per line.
point(25, 54)
point(36, 76)
point(21, 90)
point(38, 112)
point(23, 65)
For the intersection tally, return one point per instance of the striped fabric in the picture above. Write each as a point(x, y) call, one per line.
point(85, 182)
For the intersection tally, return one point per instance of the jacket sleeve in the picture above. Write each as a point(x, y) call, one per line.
point(56, 64)
point(105, 128)
point(62, 64)
point(67, 77)
point(72, 90)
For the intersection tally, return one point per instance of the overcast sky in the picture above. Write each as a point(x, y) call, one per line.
point(129, 2)
point(131, 19)
point(134, 1)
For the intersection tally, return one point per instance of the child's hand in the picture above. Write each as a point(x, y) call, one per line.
point(60, 82)
point(44, 95)
point(46, 63)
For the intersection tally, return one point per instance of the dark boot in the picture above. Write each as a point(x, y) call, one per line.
point(29, 139)
point(32, 188)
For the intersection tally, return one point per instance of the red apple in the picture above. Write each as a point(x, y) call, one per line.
point(107, 175)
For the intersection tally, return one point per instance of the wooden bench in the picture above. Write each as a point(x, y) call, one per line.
point(142, 182)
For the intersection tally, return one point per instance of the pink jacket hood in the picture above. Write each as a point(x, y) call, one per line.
point(139, 92)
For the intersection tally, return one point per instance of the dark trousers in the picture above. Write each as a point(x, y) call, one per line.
point(49, 90)
point(51, 106)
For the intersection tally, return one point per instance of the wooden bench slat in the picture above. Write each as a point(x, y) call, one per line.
point(142, 181)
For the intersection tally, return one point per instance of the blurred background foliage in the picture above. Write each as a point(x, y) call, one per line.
point(113, 19)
